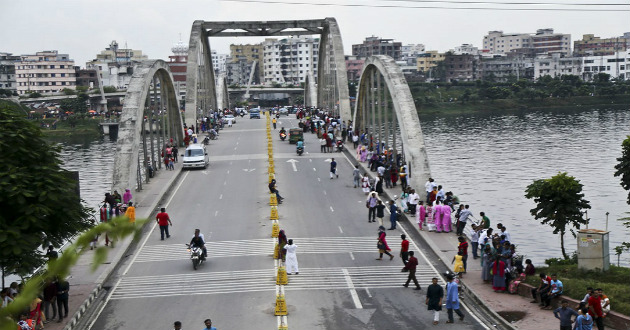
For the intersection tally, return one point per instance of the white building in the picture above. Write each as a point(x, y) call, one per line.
point(116, 65)
point(555, 66)
point(466, 49)
point(289, 60)
point(543, 41)
point(616, 65)
point(218, 62)
point(45, 72)
point(411, 50)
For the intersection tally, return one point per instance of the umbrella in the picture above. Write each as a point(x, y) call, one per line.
point(92, 111)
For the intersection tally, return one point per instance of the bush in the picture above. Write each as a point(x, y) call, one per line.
point(68, 91)
point(34, 95)
point(109, 89)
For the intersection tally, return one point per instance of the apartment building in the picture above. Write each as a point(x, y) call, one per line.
point(590, 45)
point(377, 46)
point(354, 67)
point(462, 67)
point(555, 65)
point(116, 65)
point(543, 41)
point(617, 65)
point(7, 71)
point(44, 72)
point(289, 60)
point(427, 60)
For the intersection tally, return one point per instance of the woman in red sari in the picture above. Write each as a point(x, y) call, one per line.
point(382, 244)
point(498, 275)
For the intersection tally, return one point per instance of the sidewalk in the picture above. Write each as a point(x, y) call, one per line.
point(444, 245)
point(85, 285)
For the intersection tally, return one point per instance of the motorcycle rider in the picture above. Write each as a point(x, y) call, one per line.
point(283, 131)
point(199, 241)
point(299, 144)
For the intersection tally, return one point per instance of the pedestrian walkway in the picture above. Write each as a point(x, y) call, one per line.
point(444, 245)
point(85, 284)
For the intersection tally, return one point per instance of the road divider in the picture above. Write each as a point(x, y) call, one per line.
point(281, 277)
point(273, 200)
point(275, 229)
point(274, 215)
point(281, 305)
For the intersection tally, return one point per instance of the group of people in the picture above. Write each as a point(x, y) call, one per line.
point(50, 304)
point(177, 325)
point(115, 205)
point(287, 253)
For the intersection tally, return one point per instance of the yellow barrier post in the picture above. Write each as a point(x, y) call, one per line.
point(274, 214)
point(273, 200)
point(276, 251)
point(282, 278)
point(281, 305)
point(275, 229)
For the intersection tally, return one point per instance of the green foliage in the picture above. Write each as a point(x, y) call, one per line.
point(68, 91)
point(117, 229)
point(76, 105)
point(82, 89)
point(109, 89)
point(37, 197)
point(559, 204)
point(614, 282)
point(623, 166)
point(34, 95)
point(5, 92)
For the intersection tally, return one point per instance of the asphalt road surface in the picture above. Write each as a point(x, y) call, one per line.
point(340, 284)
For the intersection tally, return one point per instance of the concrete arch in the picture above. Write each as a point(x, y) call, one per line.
point(310, 90)
point(223, 97)
point(383, 85)
point(332, 85)
point(200, 86)
point(128, 168)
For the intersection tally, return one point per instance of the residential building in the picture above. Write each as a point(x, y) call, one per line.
point(466, 49)
point(86, 77)
point(555, 65)
point(219, 62)
point(463, 67)
point(590, 45)
point(616, 65)
point(428, 60)
point(178, 63)
point(377, 46)
point(354, 67)
point(7, 71)
point(44, 72)
point(543, 41)
point(289, 60)
point(411, 51)
point(504, 68)
point(242, 56)
point(116, 65)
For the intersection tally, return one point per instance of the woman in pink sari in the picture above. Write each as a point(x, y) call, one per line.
point(364, 154)
point(430, 214)
point(421, 214)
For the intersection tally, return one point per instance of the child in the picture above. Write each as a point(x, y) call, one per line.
point(513, 288)
point(458, 267)
point(171, 163)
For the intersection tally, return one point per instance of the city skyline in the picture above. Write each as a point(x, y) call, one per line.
point(83, 29)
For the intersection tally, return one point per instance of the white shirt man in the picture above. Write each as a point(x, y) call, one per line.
point(414, 198)
point(380, 170)
point(508, 237)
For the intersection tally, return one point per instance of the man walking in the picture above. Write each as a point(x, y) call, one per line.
point(564, 314)
point(452, 299)
point(404, 250)
point(393, 215)
point(163, 221)
point(380, 212)
point(429, 188)
point(62, 298)
point(463, 218)
point(371, 203)
point(410, 266)
point(333, 169)
point(463, 248)
point(356, 176)
point(413, 202)
point(208, 324)
point(435, 293)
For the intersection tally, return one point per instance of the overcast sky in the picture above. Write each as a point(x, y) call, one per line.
point(83, 28)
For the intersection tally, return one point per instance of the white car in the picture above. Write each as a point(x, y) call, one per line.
point(225, 119)
point(195, 156)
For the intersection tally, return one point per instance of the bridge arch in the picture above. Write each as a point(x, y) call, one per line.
point(150, 118)
point(201, 95)
point(223, 97)
point(310, 90)
point(385, 111)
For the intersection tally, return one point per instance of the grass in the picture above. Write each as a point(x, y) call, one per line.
point(614, 282)
point(87, 126)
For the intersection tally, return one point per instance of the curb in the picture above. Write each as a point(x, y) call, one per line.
point(126, 244)
point(469, 293)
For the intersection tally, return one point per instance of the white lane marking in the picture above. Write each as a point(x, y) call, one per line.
point(293, 161)
point(318, 179)
point(324, 192)
point(221, 197)
point(228, 172)
point(310, 160)
point(235, 148)
point(331, 209)
point(353, 291)
point(109, 296)
point(224, 183)
point(215, 213)
point(340, 230)
point(351, 255)
point(314, 169)
point(368, 292)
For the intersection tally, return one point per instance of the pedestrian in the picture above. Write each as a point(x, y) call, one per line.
point(463, 219)
point(404, 249)
point(291, 258)
point(380, 212)
point(584, 321)
point(422, 214)
point(130, 213)
point(356, 176)
point(555, 289)
point(412, 201)
point(51, 253)
point(474, 240)
point(428, 186)
point(393, 215)
point(36, 313)
point(463, 248)
point(485, 221)
point(410, 267)
point(274, 190)
point(435, 294)
point(458, 263)
point(437, 216)
point(208, 324)
point(62, 298)
point(175, 151)
point(333, 169)
point(322, 145)
point(403, 177)
point(50, 300)
point(371, 203)
point(486, 261)
point(382, 244)
point(163, 221)
point(498, 275)
point(564, 313)
point(446, 218)
point(177, 325)
point(25, 323)
point(282, 242)
point(452, 299)
point(127, 196)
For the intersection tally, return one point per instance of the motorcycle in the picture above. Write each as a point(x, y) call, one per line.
point(339, 145)
point(283, 136)
point(300, 150)
point(206, 140)
point(196, 255)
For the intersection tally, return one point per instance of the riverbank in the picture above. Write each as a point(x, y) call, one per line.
point(512, 105)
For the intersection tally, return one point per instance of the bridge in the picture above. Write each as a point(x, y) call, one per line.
point(384, 110)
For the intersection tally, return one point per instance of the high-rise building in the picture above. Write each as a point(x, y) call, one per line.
point(543, 41)
point(44, 72)
point(427, 60)
point(596, 46)
point(219, 62)
point(354, 67)
point(377, 46)
point(289, 60)
point(116, 65)
point(7, 71)
point(463, 67)
point(178, 63)
point(411, 51)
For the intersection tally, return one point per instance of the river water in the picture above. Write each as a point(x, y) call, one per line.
point(488, 160)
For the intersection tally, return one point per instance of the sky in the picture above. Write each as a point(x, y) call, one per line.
point(83, 28)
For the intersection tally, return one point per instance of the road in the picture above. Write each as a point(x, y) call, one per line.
point(340, 285)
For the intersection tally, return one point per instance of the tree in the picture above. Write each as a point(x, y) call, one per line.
point(559, 204)
point(623, 166)
point(109, 89)
point(37, 197)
